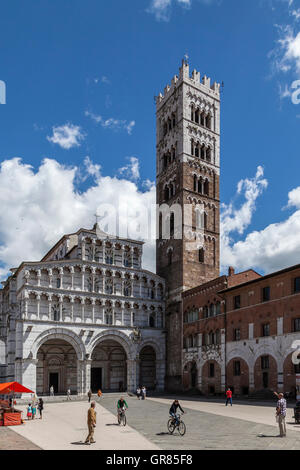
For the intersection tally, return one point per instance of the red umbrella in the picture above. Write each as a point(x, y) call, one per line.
point(13, 387)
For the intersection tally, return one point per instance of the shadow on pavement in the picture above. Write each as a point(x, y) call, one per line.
point(112, 424)
point(264, 435)
point(79, 443)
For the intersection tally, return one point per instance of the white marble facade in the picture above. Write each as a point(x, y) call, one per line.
point(87, 315)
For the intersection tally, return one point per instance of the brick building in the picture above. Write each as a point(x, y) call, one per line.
point(239, 331)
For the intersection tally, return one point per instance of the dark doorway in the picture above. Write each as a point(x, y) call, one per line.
point(265, 379)
point(96, 379)
point(53, 381)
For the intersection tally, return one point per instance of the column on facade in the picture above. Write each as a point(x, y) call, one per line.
point(39, 275)
point(93, 279)
point(93, 249)
point(38, 302)
point(141, 281)
point(83, 249)
point(132, 285)
point(132, 256)
point(103, 252)
point(82, 308)
point(25, 372)
point(72, 277)
point(82, 277)
point(280, 376)
point(72, 300)
point(122, 251)
point(61, 308)
point(93, 310)
point(49, 307)
point(50, 278)
point(132, 375)
point(122, 313)
point(223, 362)
point(26, 297)
point(103, 280)
point(61, 277)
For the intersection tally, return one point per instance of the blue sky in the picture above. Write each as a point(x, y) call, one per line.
point(92, 69)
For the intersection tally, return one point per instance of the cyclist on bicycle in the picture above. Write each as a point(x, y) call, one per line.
point(121, 406)
point(173, 410)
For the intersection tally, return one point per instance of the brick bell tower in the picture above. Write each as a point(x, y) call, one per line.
point(188, 173)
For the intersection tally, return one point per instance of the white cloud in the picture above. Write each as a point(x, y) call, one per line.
point(38, 206)
point(112, 123)
point(275, 247)
point(67, 136)
point(132, 170)
point(162, 8)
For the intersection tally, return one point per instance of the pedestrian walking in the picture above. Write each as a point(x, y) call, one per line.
point(99, 393)
point(69, 394)
point(89, 395)
point(143, 393)
point(41, 407)
point(52, 391)
point(33, 410)
point(91, 422)
point(138, 393)
point(228, 397)
point(29, 411)
point(281, 413)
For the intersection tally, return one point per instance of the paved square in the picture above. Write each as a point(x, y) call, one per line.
point(210, 425)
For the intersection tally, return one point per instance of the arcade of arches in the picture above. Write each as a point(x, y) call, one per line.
point(58, 365)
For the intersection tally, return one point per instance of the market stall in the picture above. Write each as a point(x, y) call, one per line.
point(9, 415)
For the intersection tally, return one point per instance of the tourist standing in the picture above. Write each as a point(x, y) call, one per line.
point(33, 410)
point(228, 397)
point(91, 421)
point(281, 413)
point(144, 393)
point(99, 393)
point(89, 395)
point(52, 391)
point(41, 407)
point(69, 394)
point(29, 411)
point(138, 393)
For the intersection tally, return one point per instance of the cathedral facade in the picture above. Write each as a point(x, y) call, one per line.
point(87, 316)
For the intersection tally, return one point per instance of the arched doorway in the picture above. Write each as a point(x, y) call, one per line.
point(190, 376)
point(109, 367)
point(57, 367)
point(265, 373)
point(148, 368)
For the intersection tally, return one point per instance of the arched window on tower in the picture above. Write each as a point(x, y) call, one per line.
point(192, 147)
point(197, 116)
point(201, 255)
point(152, 321)
point(200, 185)
point(197, 151)
point(172, 224)
point(202, 155)
point(202, 121)
point(195, 183)
point(206, 187)
point(208, 154)
point(170, 257)
point(208, 121)
point(166, 191)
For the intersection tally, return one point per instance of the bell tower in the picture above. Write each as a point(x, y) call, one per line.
point(188, 173)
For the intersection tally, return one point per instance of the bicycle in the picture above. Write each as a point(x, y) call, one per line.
point(122, 417)
point(174, 423)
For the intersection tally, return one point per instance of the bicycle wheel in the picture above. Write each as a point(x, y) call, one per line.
point(181, 428)
point(119, 419)
point(171, 426)
point(124, 419)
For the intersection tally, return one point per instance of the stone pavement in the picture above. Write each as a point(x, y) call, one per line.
point(210, 425)
point(9, 440)
point(64, 427)
point(214, 430)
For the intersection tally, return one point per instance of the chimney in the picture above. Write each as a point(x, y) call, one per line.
point(230, 271)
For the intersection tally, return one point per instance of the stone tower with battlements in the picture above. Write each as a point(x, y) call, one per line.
point(188, 172)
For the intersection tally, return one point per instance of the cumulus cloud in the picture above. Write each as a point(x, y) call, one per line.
point(132, 170)
point(275, 247)
point(37, 207)
point(112, 123)
point(67, 136)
